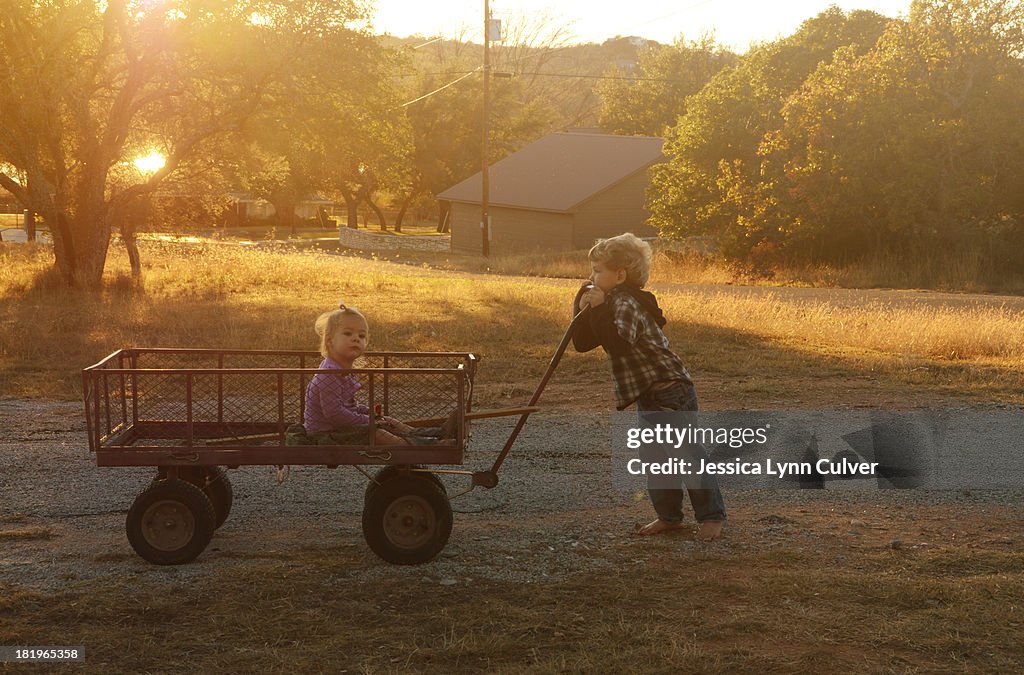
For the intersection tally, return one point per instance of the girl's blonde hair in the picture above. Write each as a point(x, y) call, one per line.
point(625, 252)
point(328, 322)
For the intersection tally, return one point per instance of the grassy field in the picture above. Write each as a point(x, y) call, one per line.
point(957, 270)
point(790, 592)
point(742, 350)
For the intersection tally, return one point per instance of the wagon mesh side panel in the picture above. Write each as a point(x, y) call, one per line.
point(423, 396)
point(162, 401)
point(107, 403)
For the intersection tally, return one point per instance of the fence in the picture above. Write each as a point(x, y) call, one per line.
point(368, 241)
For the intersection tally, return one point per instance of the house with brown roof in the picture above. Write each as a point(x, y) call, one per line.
point(559, 193)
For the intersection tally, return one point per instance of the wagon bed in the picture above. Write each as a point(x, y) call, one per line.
point(191, 412)
point(205, 407)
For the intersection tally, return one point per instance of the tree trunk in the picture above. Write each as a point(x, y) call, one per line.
point(81, 241)
point(92, 258)
point(444, 211)
point(132, 246)
point(64, 253)
point(405, 206)
point(351, 209)
point(380, 214)
point(284, 213)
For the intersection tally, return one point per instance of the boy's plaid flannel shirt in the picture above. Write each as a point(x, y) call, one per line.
point(636, 345)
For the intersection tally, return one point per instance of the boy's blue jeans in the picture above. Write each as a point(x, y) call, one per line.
point(705, 495)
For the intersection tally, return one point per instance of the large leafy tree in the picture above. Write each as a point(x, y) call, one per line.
point(337, 129)
point(650, 97)
point(713, 182)
point(914, 148)
point(90, 86)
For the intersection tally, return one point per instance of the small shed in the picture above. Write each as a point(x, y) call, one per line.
point(557, 194)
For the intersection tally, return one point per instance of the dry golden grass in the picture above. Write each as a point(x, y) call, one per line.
point(989, 334)
point(959, 271)
point(225, 296)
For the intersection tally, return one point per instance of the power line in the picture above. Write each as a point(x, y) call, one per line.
point(568, 75)
point(604, 77)
point(441, 88)
point(429, 42)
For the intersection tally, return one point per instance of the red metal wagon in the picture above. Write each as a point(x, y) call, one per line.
point(191, 413)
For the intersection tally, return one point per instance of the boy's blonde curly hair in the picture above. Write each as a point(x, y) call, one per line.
point(625, 252)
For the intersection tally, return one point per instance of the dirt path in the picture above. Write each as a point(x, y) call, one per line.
point(541, 574)
point(556, 512)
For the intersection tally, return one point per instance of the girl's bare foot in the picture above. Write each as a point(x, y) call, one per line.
point(657, 527)
point(710, 530)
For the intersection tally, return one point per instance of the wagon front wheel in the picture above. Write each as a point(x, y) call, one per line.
point(407, 520)
point(171, 522)
point(395, 470)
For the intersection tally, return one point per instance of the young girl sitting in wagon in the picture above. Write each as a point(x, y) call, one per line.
point(332, 416)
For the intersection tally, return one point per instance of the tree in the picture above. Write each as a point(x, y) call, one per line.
point(916, 147)
point(713, 182)
point(445, 115)
point(650, 97)
point(89, 86)
point(337, 128)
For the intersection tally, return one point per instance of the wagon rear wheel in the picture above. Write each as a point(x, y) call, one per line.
point(214, 481)
point(389, 472)
point(218, 489)
point(407, 520)
point(171, 522)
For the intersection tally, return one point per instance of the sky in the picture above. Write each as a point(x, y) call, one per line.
point(735, 23)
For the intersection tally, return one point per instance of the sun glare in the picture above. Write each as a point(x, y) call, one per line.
point(151, 163)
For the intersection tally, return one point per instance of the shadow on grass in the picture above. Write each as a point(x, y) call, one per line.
point(48, 333)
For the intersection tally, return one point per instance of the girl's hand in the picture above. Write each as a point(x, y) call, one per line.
point(395, 425)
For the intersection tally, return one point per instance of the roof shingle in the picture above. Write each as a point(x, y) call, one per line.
point(560, 171)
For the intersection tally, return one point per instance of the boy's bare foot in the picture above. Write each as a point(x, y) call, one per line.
point(710, 530)
point(657, 527)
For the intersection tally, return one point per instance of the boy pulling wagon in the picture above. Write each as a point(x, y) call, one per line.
point(626, 321)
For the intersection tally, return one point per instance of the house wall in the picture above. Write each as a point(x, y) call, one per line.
point(512, 230)
point(620, 209)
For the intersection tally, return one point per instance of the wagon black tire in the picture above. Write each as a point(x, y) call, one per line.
point(389, 472)
point(407, 520)
point(214, 481)
point(218, 489)
point(171, 522)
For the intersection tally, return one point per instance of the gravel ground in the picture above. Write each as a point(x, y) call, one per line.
point(553, 515)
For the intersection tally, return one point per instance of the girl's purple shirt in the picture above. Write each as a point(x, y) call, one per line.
point(331, 402)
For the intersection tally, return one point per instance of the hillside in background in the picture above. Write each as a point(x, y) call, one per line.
point(563, 74)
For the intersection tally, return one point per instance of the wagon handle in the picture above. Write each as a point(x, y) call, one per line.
point(490, 478)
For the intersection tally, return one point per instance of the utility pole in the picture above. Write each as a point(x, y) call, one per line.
point(485, 207)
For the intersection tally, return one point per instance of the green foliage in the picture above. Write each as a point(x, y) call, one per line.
point(647, 98)
point(856, 138)
point(914, 147)
point(714, 183)
point(88, 87)
point(333, 128)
